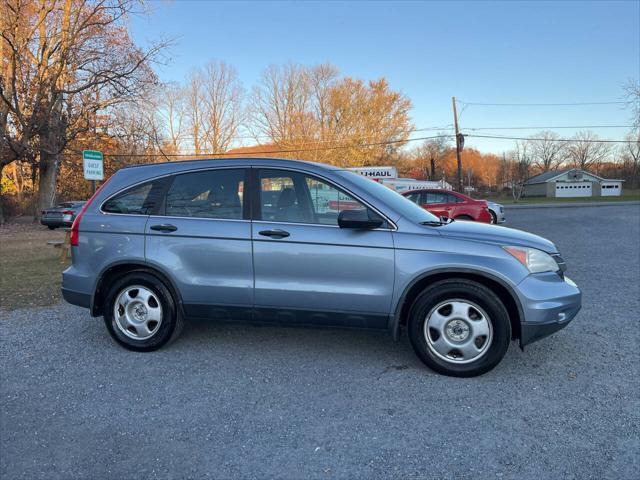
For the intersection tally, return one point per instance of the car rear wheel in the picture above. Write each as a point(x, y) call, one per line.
point(459, 328)
point(140, 312)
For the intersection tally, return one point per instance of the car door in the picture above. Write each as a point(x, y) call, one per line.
point(453, 205)
point(307, 268)
point(201, 236)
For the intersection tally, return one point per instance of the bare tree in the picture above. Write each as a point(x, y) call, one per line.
point(322, 78)
point(194, 94)
point(547, 152)
point(428, 155)
point(632, 92)
point(173, 111)
point(630, 155)
point(280, 105)
point(65, 62)
point(222, 104)
point(585, 151)
point(520, 160)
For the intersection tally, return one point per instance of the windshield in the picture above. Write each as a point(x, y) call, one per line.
point(402, 205)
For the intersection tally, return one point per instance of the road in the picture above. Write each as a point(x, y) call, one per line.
point(236, 401)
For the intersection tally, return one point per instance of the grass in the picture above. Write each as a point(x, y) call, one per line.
point(30, 270)
point(627, 195)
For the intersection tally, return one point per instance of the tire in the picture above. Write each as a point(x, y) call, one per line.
point(150, 319)
point(494, 218)
point(51, 227)
point(464, 217)
point(437, 329)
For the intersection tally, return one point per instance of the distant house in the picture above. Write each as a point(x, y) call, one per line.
point(572, 182)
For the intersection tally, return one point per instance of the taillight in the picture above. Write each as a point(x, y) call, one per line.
point(68, 212)
point(75, 227)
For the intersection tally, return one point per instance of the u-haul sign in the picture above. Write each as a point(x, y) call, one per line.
point(377, 173)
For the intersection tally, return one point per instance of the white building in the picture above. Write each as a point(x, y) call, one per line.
point(571, 183)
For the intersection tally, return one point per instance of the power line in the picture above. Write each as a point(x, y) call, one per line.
point(269, 152)
point(340, 147)
point(567, 104)
point(334, 134)
point(544, 139)
point(549, 127)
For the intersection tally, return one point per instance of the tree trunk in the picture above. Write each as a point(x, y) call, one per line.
point(1, 196)
point(48, 176)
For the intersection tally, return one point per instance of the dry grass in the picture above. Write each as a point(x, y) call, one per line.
point(30, 270)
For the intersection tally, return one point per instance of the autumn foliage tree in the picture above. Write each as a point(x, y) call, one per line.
point(64, 63)
point(320, 116)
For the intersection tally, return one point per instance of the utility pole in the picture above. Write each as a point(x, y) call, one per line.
point(458, 153)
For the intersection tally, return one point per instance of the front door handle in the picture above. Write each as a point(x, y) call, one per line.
point(274, 233)
point(164, 227)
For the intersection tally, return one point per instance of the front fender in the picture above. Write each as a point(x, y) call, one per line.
point(414, 268)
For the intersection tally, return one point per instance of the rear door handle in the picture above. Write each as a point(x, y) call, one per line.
point(274, 233)
point(164, 227)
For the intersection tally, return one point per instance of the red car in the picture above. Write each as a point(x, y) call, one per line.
point(444, 203)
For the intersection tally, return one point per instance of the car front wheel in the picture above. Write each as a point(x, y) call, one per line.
point(140, 312)
point(459, 328)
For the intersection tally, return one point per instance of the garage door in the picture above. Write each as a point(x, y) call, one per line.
point(573, 189)
point(610, 189)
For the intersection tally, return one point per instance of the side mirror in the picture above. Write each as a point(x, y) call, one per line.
point(360, 219)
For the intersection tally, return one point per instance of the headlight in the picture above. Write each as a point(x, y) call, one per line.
point(535, 260)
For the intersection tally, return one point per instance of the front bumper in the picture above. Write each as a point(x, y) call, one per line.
point(499, 213)
point(549, 303)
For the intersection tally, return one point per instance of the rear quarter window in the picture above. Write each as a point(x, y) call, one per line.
point(139, 200)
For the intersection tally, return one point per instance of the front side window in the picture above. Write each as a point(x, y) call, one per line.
point(206, 194)
point(294, 197)
point(135, 201)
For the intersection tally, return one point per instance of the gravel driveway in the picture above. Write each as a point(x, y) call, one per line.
point(234, 401)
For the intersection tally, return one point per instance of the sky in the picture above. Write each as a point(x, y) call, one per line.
point(480, 52)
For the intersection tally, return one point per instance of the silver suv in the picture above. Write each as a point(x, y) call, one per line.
point(291, 242)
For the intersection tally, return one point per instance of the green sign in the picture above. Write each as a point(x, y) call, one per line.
point(93, 165)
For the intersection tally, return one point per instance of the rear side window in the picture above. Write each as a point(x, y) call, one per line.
point(436, 197)
point(138, 200)
point(207, 194)
point(452, 198)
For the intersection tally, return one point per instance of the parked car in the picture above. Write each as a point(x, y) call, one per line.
point(497, 212)
point(61, 215)
point(287, 242)
point(445, 203)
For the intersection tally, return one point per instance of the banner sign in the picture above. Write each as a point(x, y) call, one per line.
point(376, 173)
